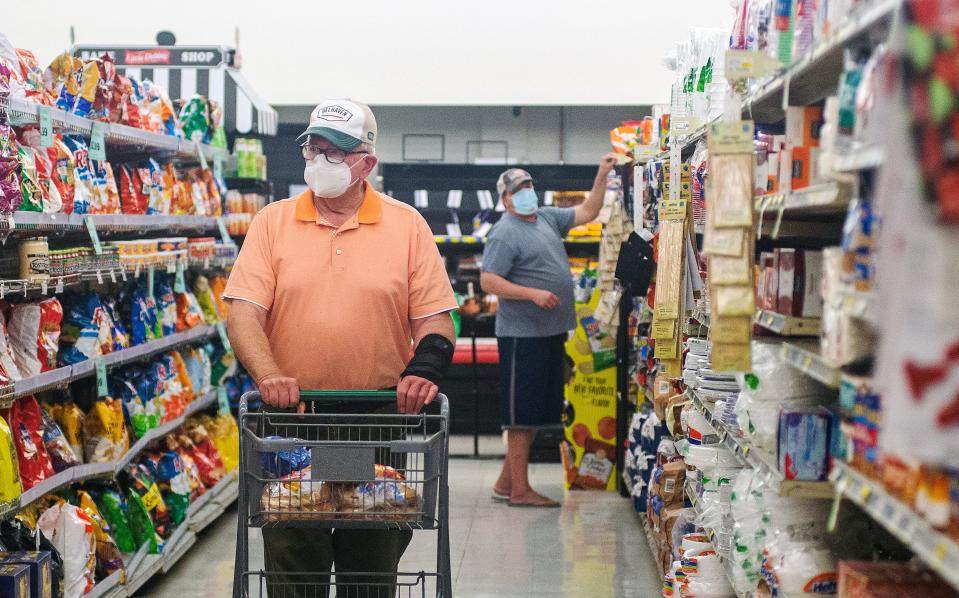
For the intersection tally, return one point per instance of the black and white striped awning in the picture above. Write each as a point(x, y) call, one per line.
point(187, 70)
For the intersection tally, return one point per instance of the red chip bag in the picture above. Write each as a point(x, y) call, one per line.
point(210, 471)
point(132, 199)
point(26, 424)
point(61, 159)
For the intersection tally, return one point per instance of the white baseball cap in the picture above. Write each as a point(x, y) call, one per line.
point(344, 123)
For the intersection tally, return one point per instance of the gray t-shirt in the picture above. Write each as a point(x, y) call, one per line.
point(532, 254)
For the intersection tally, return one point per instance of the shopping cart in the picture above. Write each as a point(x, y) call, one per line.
point(368, 469)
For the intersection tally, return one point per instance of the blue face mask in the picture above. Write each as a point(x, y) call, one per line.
point(525, 202)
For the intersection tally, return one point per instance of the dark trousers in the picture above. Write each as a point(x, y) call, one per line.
point(304, 550)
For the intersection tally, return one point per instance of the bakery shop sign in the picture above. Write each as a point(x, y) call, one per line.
point(158, 56)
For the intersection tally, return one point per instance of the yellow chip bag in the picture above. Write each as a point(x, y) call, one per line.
point(105, 436)
point(10, 488)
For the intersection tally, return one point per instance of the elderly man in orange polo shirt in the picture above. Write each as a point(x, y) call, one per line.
point(332, 290)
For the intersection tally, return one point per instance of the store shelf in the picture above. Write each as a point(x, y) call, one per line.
point(89, 471)
point(67, 374)
point(861, 305)
point(694, 500)
point(806, 358)
point(787, 325)
point(759, 459)
point(471, 240)
point(937, 550)
point(105, 223)
point(822, 199)
point(108, 587)
point(122, 142)
point(816, 75)
point(863, 158)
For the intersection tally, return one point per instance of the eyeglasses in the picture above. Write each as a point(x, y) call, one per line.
point(333, 155)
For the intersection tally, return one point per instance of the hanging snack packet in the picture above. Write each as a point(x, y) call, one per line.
point(61, 454)
point(70, 419)
point(83, 190)
point(168, 470)
point(108, 553)
point(110, 505)
point(189, 467)
point(176, 363)
point(26, 425)
point(7, 359)
point(134, 410)
point(10, 488)
point(132, 198)
point(71, 532)
point(29, 182)
point(205, 299)
point(105, 435)
point(34, 334)
point(188, 312)
point(166, 306)
point(61, 159)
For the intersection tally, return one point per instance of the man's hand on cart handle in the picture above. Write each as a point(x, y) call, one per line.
point(279, 391)
point(413, 393)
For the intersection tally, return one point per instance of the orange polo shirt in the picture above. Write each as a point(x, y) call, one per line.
point(340, 300)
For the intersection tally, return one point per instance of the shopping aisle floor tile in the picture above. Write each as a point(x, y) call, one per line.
point(593, 547)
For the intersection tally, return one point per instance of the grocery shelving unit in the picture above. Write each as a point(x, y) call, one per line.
point(787, 325)
point(806, 358)
point(757, 458)
point(934, 548)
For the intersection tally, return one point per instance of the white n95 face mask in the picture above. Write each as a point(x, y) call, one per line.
point(327, 180)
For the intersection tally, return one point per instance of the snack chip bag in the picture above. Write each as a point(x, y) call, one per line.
point(189, 467)
point(34, 335)
point(61, 160)
point(121, 339)
point(225, 435)
point(87, 326)
point(61, 454)
point(110, 504)
point(188, 312)
point(7, 359)
point(70, 419)
point(141, 525)
point(171, 392)
point(25, 424)
point(84, 192)
point(140, 483)
point(198, 367)
point(166, 306)
point(211, 472)
point(105, 435)
point(170, 473)
point(176, 362)
point(29, 180)
point(89, 81)
point(109, 559)
point(10, 488)
point(143, 317)
point(70, 530)
point(148, 389)
point(134, 409)
point(206, 300)
point(132, 198)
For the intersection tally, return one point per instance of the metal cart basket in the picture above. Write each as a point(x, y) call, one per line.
point(348, 463)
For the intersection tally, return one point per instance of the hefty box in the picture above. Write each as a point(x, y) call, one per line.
point(804, 443)
point(41, 573)
point(15, 581)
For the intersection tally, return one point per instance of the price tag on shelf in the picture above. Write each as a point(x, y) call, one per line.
point(865, 492)
point(746, 450)
point(46, 126)
point(44, 287)
point(939, 554)
point(94, 235)
point(841, 485)
point(807, 362)
point(113, 275)
point(59, 287)
point(123, 274)
point(99, 277)
point(179, 283)
point(222, 401)
point(743, 64)
point(98, 145)
point(224, 233)
point(149, 281)
point(223, 336)
point(101, 369)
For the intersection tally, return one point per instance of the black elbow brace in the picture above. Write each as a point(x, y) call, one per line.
point(431, 359)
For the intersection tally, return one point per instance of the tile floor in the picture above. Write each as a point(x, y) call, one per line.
point(591, 548)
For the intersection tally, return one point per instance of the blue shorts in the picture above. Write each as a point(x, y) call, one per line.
point(531, 384)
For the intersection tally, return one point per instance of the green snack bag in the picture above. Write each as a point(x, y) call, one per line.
point(141, 524)
point(111, 507)
point(29, 181)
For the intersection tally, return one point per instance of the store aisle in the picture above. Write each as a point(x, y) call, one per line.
point(593, 547)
